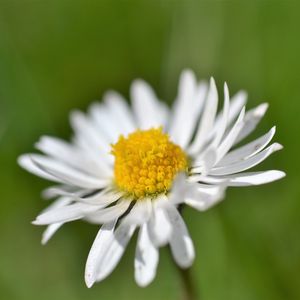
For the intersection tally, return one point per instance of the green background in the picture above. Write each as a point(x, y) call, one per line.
point(57, 55)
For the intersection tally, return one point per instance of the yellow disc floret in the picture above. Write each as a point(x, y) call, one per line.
point(146, 162)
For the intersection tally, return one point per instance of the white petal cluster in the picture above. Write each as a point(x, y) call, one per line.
point(84, 169)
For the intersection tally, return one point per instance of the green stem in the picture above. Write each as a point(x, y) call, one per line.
point(188, 284)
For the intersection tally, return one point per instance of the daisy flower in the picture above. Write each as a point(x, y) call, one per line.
point(129, 169)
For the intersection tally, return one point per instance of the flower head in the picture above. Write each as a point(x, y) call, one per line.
point(129, 169)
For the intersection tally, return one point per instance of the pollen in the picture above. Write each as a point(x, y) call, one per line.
point(146, 162)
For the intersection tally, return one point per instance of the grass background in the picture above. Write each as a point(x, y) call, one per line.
point(56, 55)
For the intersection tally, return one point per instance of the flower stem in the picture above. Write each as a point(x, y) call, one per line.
point(188, 284)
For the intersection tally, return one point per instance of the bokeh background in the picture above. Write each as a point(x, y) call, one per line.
point(57, 55)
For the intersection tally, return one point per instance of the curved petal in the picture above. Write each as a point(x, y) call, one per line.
point(64, 214)
point(73, 156)
point(181, 244)
point(146, 258)
point(247, 150)
point(248, 163)
point(121, 112)
point(207, 119)
point(26, 163)
point(252, 118)
point(115, 249)
point(108, 214)
point(231, 136)
point(159, 227)
point(148, 111)
point(98, 250)
point(66, 174)
point(187, 108)
point(204, 198)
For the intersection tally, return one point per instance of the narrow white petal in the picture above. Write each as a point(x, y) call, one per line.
point(205, 162)
point(121, 112)
point(67, 174)
point(254, 178)
point(115, 249)
point(187, 108)
point(73, 156)
point(207, 119)
point(146, 259)
point(50, 231)
point(231, 136)
point(147, 109)
point(207, 179)
point(26, 162)
point(108, 214)
point(98, 250)
point(240, 179)
point(248, 163)
point(181, 244)
point(83, 127)
point(247, 150)
point(140, 212)
point(224, 118)
point(64, 214)
point(252, 118)
point(176, 195)
point(237, 102)
point(101, 198)
point(159, 227)
point(201, 198)
point(101, 118)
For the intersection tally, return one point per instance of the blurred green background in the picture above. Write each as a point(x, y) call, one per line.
point(56, 55)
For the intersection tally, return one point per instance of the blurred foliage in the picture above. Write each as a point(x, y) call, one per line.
point(61, 54)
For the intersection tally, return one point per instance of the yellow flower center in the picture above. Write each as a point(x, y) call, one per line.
point(146, 162)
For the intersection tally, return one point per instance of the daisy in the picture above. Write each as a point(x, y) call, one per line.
point(129, 169)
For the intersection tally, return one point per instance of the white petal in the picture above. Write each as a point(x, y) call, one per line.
point(207, 119)
point(237, 102)
point(181, 244)
point(201, 198)
point(63, 190)
point(252, 118)
point(98, 250)
point(66, 174)
point(223, 120)
point(207, 179)
point(115, 249)
point(187, 108)
point(147, 109)
point(108, 214)
point(73, 156)
point(146, 259)
point(51, 229)
point(248, 163)
point(101, 118)
point(140, 212)
point(91, 135)
point(64, 214)
point(121, 112)
point(247, 150)
point(254, 178)
point(159, 227)
point(176, 195)
point(231, 136)
point(101, 198)
point(205, 162)
point(26, 162)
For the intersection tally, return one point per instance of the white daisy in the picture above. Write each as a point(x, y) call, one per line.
point(120, 170)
